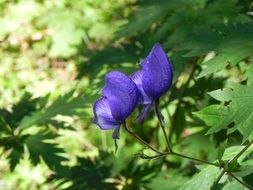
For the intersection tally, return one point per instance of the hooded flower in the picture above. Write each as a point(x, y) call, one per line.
point(155, 78)
point(120, 97)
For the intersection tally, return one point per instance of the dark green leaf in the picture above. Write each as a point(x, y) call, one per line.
point(67, 105)
point(50, 153)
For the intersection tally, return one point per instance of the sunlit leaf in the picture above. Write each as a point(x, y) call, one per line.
point(203, 180)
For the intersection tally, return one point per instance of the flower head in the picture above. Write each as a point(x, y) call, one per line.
point(120, 97)
point(156, 74)
point(155, 78)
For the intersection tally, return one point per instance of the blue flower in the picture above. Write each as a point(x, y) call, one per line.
point(155, 78)
point(120, 98)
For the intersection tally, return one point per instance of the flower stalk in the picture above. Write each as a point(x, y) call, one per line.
point(171, 153)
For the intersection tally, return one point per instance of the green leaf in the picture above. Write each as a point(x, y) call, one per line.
point(49, 152)
point(221, 149)
point(235, 185)
point(67, 105)
point(168, 180)
point(231, 152)
point(238, 103)
point(15, 156)
point(191, 146)
point(15, 146)
point(240, 107)
point(231, 44)
point(221, 61)
point(25, 106)
point(249, 74)
point(203, 180)
point(215, 116)
point(89, 173)
point(147, 16)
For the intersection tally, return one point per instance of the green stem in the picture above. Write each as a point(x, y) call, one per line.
point(195, 159)
point(219, 177)
point(181, 156)
point(158, 114)
point(233, 160)
point(241, 152)
point(240, 181)
point(140, 139)
point(162, 154)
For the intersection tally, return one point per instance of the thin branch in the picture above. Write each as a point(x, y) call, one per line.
point(232, 160)
point(195, 159)
point(158, 114)
point(219, 177)
point(140, 139)
point(181, 156)
point(241, 152)
point(162, 154)
point(240, 181)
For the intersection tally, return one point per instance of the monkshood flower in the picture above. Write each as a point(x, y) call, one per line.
point(155, 78)
point(120, 98)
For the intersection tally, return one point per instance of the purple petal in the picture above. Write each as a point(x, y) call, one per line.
point(103, 116)
point(157, 73)
point(137, 78)
point(115, 134)
point(122, 94)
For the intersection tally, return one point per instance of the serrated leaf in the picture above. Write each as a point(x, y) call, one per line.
point(215, 116)
point(221, 61)
point(231, 43)
point(49, 152)
point(67, 105)
point(142, 20)
point(89, 173)
point(246, 168)
point(15, 147)
point(15, 156)
point(203, 180)
point(25, 106)
point(238, 111)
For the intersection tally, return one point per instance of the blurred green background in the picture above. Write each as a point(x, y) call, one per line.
point(53, 58)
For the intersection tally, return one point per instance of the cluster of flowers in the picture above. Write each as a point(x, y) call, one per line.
point(122, 94)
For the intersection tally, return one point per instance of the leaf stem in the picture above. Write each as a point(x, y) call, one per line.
point(195, 159)
point(240, 181)
point(231, 161)
point(162, 154)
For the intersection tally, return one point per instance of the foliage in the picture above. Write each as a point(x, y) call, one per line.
point(54, 55)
